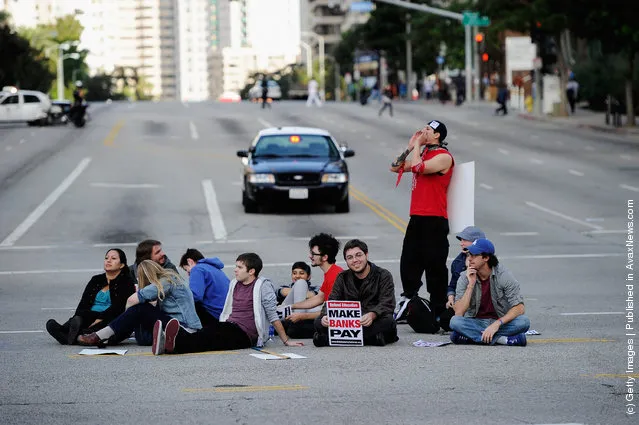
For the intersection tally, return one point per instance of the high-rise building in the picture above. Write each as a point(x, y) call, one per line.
point(329, 18)
point(194, 40)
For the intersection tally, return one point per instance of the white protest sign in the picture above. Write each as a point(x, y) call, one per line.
point(461, 197)
point(344, 324)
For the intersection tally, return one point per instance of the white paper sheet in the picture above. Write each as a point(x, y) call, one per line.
point(461, 197)
point(98, 351)
point(264, 356)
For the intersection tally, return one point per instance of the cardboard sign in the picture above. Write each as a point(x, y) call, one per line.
point(461, 197)
point(344, 324)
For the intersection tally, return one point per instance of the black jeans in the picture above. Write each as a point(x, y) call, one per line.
point(140, 317)
point(386, 105)
point(425, 251)
point(502, 107)
point(385, 325)
point(222, 336)
point(299, 330)
point(206, 318)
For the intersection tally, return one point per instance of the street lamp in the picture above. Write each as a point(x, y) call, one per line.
point(321, 59)
point(309, 59)
point(61, 57)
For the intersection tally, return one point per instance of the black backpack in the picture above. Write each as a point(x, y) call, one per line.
point(420, 316)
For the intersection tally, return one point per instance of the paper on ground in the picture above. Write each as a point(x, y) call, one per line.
point(422, 343)
point(265, 356)
point(97, 351)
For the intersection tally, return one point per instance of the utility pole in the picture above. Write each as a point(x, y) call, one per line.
point(469, 61)
point(409, 57)
point(476, 77)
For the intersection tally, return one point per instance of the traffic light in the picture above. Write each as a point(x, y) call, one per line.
point(484, 57)
point(481, 44)
point(479, 37)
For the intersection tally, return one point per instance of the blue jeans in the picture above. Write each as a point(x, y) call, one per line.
point(139, 318)
point(472, 328)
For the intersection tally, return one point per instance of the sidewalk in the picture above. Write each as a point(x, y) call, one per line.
point(583, 118)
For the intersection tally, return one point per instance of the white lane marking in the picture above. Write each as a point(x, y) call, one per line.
point(536, 161)
point(305, 238)
point(592, 313)
point(603, 232)
point(127, 185)
point(353, 130)
point(564, 216)
point(45, 205)
point(589, 148)
point(109, 245)
point(534, 136)
point(194, 134)
point(576, 173)
point(22, 141)
point(8, 148)
point(57, 308)
point(504, 151)
point(20, 332)
point(217, 224)
point(476, 143)
point(485, 186)
point(368, 136)
point(628, 187)
point(264, 122)
point(383, 261)
point(400, 121)
point(519, 233)
point(27, 247)
point(625, 156)
point(472, 123)
point(591, 219)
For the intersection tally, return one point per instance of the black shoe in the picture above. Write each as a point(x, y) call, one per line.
point(320, 340)
point(74, 329)
point(379, 340)
point(55, 330)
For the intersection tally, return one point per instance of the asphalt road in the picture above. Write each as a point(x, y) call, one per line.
point(553, 199)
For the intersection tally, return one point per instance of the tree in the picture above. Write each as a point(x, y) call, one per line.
point(20, 64)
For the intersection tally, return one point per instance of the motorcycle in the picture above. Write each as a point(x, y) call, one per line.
point(78, 114)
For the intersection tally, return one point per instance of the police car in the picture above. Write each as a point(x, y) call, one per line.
point(299, 164)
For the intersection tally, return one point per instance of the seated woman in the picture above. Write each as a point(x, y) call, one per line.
point(174, 301)
point(104, 298)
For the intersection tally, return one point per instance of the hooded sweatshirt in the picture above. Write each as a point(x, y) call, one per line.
point(209, 285)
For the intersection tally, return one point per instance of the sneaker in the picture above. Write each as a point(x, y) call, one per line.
point(74, 329)
point(457, 338)
point(378, 340)
point(518, 340)
point(401, 311)
point(55, 330)
point(170, 334)
point(320, 340)
point(158, 339)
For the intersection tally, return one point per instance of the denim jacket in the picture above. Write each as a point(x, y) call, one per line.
point(504, 291)
point(177, 303)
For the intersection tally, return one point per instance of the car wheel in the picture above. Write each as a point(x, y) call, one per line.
point(250, 207)
point(343, 206)
point(31, 123)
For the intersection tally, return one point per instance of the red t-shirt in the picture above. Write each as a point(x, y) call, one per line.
point(429, 194)
point(486, 308)
point(329, 280)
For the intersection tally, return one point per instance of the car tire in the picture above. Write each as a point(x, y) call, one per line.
point(343, 206)
point(32, 123)
point(250, 207)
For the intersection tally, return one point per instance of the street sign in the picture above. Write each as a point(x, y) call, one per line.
point(362, 6)
point(474, 20)
point(439, 60)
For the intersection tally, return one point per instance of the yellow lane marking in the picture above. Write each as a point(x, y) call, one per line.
point(552, 340)
point(391, 218)
point(245, 389)
point(613, 375)
point(379, 206)
point(147, 354)
point(113, 133)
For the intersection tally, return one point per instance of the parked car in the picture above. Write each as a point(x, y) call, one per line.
point(59, 112)
point(274, 90)
point(230, 97)
point(24, 106)
point(295, 163)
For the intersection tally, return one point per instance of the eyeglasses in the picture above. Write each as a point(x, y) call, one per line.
point(352, 257)
point(315, 254)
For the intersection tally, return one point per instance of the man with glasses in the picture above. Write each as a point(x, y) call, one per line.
point(373, 287)
point(323, 252)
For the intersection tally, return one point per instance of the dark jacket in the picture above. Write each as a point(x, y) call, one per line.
point(377, 293)
point(120, 289)
point(456, 268)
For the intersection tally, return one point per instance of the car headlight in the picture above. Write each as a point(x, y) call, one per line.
point(261, 178)
point(334, 178)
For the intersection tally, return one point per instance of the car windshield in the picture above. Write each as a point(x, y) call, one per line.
point(295, 146)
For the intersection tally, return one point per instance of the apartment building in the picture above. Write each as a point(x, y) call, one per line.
point(329, 18)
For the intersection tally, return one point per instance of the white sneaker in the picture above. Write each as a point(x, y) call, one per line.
point(401, 310)
point(158, 339)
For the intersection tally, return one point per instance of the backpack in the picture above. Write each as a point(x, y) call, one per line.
point(420, 316)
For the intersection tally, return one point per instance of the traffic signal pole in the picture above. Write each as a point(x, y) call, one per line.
point(476, 76)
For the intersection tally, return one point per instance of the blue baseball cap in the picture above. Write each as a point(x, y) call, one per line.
point(471, 233)
point(481, 246)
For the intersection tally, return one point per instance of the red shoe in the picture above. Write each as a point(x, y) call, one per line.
point(158, 339)
point(170, 334)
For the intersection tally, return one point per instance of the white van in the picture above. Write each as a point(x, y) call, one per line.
point(24, 105)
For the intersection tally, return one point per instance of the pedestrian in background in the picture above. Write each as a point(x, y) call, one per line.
point(387, 100)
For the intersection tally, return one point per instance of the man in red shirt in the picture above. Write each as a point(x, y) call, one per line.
point(425, 247)
point(323, 251)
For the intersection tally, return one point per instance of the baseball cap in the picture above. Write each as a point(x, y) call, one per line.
point(481, 246)
point(439, 127)
point(471, 233)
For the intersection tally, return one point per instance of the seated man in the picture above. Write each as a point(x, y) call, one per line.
point(150, 249)
point(373, 287)
point(300, 288)
point(208, 283)
point(248, 312)
point(323, 252)
point(488, 306)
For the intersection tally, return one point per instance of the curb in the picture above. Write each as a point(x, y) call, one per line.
point(604, 129)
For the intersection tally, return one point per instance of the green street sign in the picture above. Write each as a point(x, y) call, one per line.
point(474, 20)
